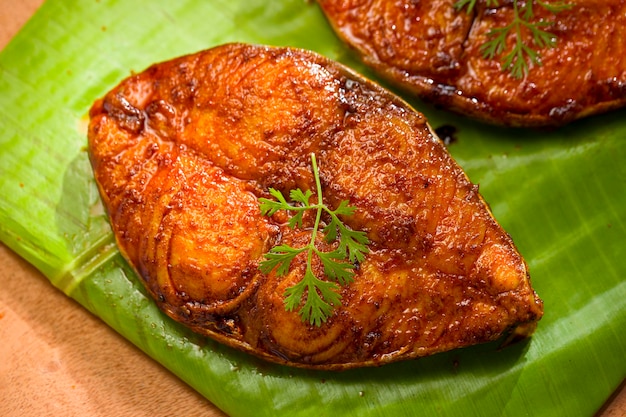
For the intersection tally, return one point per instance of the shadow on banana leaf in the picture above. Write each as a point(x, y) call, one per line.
point(82, 221)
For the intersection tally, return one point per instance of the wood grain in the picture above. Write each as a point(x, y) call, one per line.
point(58, 359)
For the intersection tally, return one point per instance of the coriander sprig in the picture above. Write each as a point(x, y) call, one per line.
point(517, 60)
point(320, 295)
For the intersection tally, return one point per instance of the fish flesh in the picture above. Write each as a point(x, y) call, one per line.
point(433, 50)
point(183, 151)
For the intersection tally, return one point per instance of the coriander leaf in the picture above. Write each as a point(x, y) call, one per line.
point(471, 3)
point(279, 257)
point(554, 7)
point(356, 244)
point(336, 269)
point(299, 196)
point(518, 60)
point(542, 38)
point(293, 295)
point(332, 230)
point(495, 45)
point(315, 297)
point(344, 209)
point(318, 306)
point(269, 207)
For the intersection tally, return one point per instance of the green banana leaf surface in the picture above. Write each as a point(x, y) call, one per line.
point(560, 193)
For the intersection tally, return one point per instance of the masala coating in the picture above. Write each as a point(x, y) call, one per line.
point(183, 151)
point(433, 50)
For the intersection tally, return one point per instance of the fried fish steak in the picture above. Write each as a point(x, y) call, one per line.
point(434, 51)
point(183, 151)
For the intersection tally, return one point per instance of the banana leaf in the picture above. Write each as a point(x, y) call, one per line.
point(560, 193)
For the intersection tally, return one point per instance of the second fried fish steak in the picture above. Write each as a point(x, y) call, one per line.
point(433, 49)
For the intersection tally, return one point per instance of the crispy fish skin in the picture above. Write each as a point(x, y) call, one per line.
point(182, 152)
point(433, 51)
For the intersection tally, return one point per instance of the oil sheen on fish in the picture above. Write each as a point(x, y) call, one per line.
point(183, 151)
point(434, 51)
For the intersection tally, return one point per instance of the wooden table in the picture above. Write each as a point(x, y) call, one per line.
point(56, 359)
